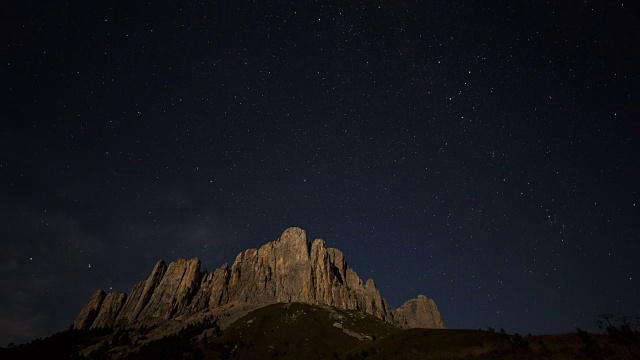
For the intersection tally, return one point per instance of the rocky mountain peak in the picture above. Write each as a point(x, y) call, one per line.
point(288, 269)
point(419, 312)
point(293, 236)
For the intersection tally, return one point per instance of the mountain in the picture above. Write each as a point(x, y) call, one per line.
point(289, 300)
point(289, 269)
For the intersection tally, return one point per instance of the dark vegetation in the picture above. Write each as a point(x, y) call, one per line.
point(294, 331)
point(623, 339)
point(489, 344)
point(61, 345)
point(177, 346)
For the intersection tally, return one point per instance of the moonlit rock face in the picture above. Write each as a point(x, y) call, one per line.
point(277, 272)
point(285, 270)
point(419, 313)
point(127, 311)
point(89, 311)
point(109, 309)
point(213, 291)
point(148, 290)
point(175, 290)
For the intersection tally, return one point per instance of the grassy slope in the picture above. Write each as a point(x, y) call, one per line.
point(298, 330)
point(303, 331)
point(478, 344)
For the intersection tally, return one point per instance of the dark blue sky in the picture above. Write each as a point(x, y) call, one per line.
point(483, 154)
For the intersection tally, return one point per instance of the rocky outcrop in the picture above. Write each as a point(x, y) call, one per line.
point(127, 312)
point(175, 290)
point(219, 293)
point(277, 272)
point(419, 313)
point(286, 270)
point(89, 311)
point(149, 288)
point(289, 270)
point(109, 309)
point(141, 294)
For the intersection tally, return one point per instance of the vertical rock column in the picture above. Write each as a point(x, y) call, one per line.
point(109, 310)
point(89, 311)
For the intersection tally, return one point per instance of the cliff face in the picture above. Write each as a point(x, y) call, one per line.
point(286, 270)
point(109, 309)
point(419, 313)
point(89, 312)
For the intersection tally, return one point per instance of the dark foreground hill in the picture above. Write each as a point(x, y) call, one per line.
point(305, 331)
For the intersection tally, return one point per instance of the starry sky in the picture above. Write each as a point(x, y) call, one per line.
point(482, 153)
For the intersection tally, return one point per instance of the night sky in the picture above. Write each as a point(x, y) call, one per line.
point(484, 154)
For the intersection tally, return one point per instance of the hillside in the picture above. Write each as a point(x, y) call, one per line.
point(306, 331)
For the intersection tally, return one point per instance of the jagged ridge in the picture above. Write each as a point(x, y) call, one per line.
point(286, 270)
